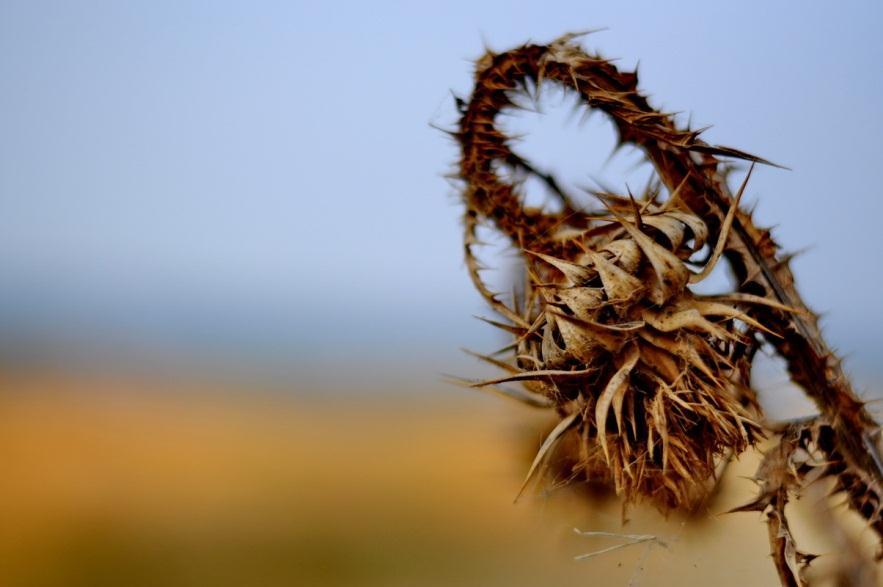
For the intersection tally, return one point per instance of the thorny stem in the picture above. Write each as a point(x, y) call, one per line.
point(778, 475)
point(685, 162)
point(781, 542)
point(804, 454)
point(812, 365)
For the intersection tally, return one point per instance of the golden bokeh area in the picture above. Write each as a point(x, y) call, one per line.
point(128, 481)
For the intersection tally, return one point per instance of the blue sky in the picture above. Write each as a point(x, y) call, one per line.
point(262, 179)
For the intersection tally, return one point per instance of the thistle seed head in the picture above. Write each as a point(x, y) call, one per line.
point(646, 368)
point(651, 377)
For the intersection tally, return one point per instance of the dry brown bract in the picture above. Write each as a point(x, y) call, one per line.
point(652, 377)
point(646, 367)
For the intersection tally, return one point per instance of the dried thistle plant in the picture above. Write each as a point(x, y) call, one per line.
point(652, 378)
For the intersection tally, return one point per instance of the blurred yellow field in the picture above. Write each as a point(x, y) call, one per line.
point(114, 482)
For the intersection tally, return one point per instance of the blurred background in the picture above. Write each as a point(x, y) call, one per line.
point(232, 282)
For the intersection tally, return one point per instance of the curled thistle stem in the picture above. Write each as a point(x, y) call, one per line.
point(605, 321)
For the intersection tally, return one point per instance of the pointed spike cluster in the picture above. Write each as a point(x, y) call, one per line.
point(651, 377)
point(615, 325)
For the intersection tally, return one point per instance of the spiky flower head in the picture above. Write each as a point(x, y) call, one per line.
point(646, 371)
point(651, 377)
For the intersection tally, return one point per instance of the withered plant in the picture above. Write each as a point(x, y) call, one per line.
point(650, 379)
